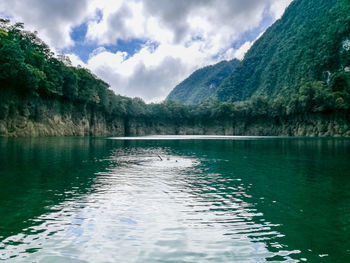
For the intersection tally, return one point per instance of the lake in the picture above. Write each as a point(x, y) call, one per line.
point(210, 199)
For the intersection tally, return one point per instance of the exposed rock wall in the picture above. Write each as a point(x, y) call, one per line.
point(55, 118)
point(308, 125)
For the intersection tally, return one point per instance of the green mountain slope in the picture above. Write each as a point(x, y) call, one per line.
point(203, 83)
point(311, 42)
point(43, 95)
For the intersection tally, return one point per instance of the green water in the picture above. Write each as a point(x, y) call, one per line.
point(214, 200)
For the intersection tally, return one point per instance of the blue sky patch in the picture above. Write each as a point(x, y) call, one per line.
point(79, 32)
point(251, 35)
point(130, 46)
point(83, 48)
point(99, 15)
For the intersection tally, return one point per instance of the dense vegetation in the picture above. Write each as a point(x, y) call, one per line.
point(310, 43)
point(29, 69)
point(290, 76)
point(203, 83)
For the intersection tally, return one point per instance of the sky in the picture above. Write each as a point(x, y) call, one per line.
point(144, 48)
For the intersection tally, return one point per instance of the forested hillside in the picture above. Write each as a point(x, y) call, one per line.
point(203, 83)
point(28, 69)
point(308, 47)
point(41, 94)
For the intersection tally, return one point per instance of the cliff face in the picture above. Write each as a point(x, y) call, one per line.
point(314, 125)
point(56, 118)
point(94, 124)
point(91, 124)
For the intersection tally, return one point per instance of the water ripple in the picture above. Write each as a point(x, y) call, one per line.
point(151, 204)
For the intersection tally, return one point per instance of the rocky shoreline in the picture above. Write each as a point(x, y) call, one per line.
point(55, 119)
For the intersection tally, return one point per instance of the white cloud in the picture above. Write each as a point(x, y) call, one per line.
point(148, 73)
point(76, 61)
point(189, 34)
point(277, 8)
point(239, 53)
point(53, 19)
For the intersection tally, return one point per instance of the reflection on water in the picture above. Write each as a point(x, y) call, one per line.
point(217, 200)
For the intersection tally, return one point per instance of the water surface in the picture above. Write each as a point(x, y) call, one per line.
point(211, 199)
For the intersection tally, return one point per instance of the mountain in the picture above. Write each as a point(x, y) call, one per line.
point(294, 81)
point(311, 42)
point(203, 83)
